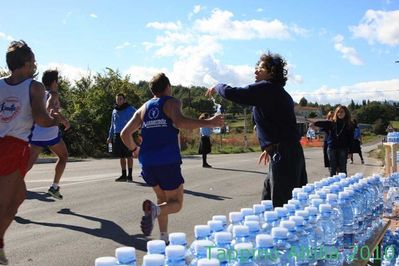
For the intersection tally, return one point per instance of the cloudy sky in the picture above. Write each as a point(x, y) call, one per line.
point(336, 50)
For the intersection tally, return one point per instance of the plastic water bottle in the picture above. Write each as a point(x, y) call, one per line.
point(235, 218)
point(156, 247)
point(268, 204)
point(303, 199)
point(296, 203)
point(179, 238)
point(200, 251)
point(280, 237)
point(244, 254)
point(240, 234)
point(254, 229)
point(175, 255)
point(153, 260)
point(126, 256)
point(223, 240)
point(258, 210)
point(292, 239)
point(331, 256)
point(271, 220)
point(345, 202)
point(109, 147)
point(201, 232)
point(295, 192)
point(313, 231)
point(304, 253)
point(222, 218)
point(246, 211)
point(266, 254)
point(106, 261)
point(216, 226)
point(290, 208)
point(338, 219)
point(282, 213)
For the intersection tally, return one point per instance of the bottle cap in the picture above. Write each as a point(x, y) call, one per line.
point(125, 255)
point(253, 226)
point(240, 231)
point(175, 252)
point(223, 237)
point(106, 261)
point(235, 217)
point(156, 247)
point(270, 216)
point(279, 233)
point(264, 241)
point(208, 262)
point(258, 208)
point(216, 226)
point(177, 239)
point(153, 260)
point(202, 231)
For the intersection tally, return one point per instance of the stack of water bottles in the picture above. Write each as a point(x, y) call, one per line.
point(325, 223)
point(393, 137)
point(123, 256)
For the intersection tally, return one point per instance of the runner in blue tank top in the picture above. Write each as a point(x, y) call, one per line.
point(159, 119)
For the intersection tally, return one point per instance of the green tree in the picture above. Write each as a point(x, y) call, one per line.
point(303, 102)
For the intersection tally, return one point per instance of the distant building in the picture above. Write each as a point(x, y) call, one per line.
point(305, 111)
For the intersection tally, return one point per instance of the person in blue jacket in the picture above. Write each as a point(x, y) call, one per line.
point(159, 120)
point(120, 116)
point(274, 117)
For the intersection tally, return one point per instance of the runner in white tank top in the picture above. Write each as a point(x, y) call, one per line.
point(21, 104)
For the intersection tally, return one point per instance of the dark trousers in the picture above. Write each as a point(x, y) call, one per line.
point(287, 170)
point(338, 158)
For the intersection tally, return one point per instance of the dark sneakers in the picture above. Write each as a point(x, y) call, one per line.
point(122, 178)
point(207, 165)
point(55, 192)
point(151, 212)
point(129, 179)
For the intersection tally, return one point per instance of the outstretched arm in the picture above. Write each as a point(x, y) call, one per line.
point(172, 109)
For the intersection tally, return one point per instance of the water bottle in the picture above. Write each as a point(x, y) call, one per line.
point(222, 218)
point(295, 192)
point(254, 229)
point(268, 204)
point(106, 261)
point(345, 202)
point(331, 256)
point(175, 256)
point(338, 219)
point(235, 219)
point(216, 226)
point(266, 254)
point(126, 256)
point(280, 237)
point(240, 234)
point(223, 240)
point(201, 232)
point(291, 209)
point(201, 249)
point(222, 255)
point(304, 253)
point(271, 220)
point(292, 239)
point(296, 203)
point(303, 199)
point(156, 247)
point(110, 147)
point(244, 254)
point(313, 235)
point(258, 210)
point(153, 260)
point(180, 239)
point(246, 211)
point(282, 213)
point(252, 218)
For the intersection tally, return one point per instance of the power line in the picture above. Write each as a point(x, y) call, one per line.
point(343, 93)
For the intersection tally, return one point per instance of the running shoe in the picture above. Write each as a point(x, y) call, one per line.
point(3, 259)
point(55, 192)
point(151, 212)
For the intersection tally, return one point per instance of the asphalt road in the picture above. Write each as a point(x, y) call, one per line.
point(98, 215)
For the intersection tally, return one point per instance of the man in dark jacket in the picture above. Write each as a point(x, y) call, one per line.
point(273, 114)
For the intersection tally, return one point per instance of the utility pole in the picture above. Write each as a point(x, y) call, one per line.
point(245, 129)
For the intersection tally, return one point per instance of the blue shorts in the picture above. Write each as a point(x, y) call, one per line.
point(47, 143)
point(167, 177)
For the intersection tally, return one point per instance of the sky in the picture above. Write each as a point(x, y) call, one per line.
point(336, 50)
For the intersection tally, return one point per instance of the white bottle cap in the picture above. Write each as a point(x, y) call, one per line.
point(240, 231)
point(252, 218)
point(106, 261)
point(235, 217)
point(178, 238)
point(125, 255)
point(290, 207)
point(201, 231)
point(304, 214)
point(290, 225)
point(281, 212)
point(153, 260)
point(279, 233)
point(299, 221)
point(264, 241)
point(156, 247)
point(208, 262)
point(332, 197)
point(316, 202)
point(325, 208)
point(175, 252)
point(302, 196)
point(312, 210)
point(222, 218)
point(253, 226)
point(270, 216)
point(246, 211)
point(223, 237)
point(201, 246)
point(258, 208)
point(268, 204)
point(243, 249)
point(216, 226)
